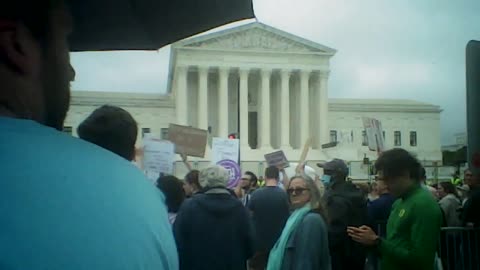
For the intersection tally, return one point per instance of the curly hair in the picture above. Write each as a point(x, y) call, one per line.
point(396, 162)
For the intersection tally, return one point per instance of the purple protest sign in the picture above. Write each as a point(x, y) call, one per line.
point(233, 170)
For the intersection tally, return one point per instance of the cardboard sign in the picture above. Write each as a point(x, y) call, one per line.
point(158, 157)
point(189, 141)
point(276, 159)
point(374, 131)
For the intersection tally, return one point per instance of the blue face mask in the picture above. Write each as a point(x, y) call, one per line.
point(326, 179)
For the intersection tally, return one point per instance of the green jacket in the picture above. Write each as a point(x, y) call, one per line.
point(413, 230)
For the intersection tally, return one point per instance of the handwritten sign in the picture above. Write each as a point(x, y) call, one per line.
point(189, 141)
point(225, 153)
point(374, 131)
point(225, 149)
point(158, 157)
point(276, 159)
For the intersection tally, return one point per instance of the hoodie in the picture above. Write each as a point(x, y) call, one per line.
point(213, 231)
point(347, 206)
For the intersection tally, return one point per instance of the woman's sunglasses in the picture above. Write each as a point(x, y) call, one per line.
point(296, 190)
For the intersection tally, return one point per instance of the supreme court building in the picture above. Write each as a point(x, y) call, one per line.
point(270, 88)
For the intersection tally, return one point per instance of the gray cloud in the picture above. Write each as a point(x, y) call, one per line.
point(386, 49)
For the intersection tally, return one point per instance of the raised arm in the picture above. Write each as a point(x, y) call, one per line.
point(185, 161)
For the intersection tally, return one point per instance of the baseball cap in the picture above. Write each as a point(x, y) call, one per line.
point(336, 165)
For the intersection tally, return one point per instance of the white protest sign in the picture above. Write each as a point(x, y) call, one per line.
point(225, 153)
point(158, 157)
point(374, 131)
point(224, 149)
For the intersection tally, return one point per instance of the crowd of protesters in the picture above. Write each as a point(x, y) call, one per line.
point(69, 203)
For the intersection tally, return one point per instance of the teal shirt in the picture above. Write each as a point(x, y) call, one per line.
point(68, 204)
point(413, 230)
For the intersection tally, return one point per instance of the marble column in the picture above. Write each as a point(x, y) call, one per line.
point(223, 102)
point(181, 95)
point(304, 105)
point(244, 108)
point(323, 103)
point(202, 105)
point(285, 109)
point(264, 117)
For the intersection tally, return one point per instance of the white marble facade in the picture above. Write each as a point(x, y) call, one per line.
point(270, 88)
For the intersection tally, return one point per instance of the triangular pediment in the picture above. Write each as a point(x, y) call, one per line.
point(255, 37)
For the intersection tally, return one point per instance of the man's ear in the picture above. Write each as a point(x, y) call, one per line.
point(19, 49)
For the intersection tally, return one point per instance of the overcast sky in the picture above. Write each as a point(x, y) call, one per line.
point(409, 49)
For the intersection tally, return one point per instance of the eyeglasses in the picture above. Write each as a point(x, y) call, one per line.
point(296, 190)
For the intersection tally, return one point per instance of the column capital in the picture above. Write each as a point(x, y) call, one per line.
point(286, 72)
point(324, 74)
point(265, 72)
point(181, 68)
point(305, 72)
point(203, 68)
point(243, 71)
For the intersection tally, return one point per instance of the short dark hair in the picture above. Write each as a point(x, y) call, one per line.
point(272, 172)
point(253, 177)
point(34, 14)
point(112, 128)
point(396, 162)
point(192, 178)
point(173, 190)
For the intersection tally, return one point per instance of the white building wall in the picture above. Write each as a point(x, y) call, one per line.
point(427, 126)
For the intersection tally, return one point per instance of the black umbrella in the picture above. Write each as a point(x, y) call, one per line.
point(148, 24)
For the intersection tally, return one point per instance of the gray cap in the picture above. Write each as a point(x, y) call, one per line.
point(336, 165)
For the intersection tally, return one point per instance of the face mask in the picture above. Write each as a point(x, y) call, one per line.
point(326, 179)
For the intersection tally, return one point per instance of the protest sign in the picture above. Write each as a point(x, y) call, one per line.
point(373, 129)
point(277, 159)
point(158, 157)
point(225, 153)
point(188, 141)
point(223, 149)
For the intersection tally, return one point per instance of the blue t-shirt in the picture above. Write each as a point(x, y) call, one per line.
point(68, 204)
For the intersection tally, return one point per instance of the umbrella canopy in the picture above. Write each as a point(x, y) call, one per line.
point(148, 24)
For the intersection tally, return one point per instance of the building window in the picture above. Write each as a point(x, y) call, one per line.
point(383, 133)
point(397, 138)
point(164, 133)
point(333, 136)
point(68, 130)
point(413, 138)
point(351, 136)
point(145, 131)
point(364, 138)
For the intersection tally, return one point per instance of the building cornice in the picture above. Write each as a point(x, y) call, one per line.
point(140, 100)
point(144, 100)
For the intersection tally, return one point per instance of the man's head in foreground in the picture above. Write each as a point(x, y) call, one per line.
point(112, 128)
point(35, 70)
point(399, 170)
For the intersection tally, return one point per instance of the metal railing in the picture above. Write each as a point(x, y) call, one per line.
point(458, 249)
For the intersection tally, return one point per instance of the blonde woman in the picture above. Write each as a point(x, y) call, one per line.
point(303, 243)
